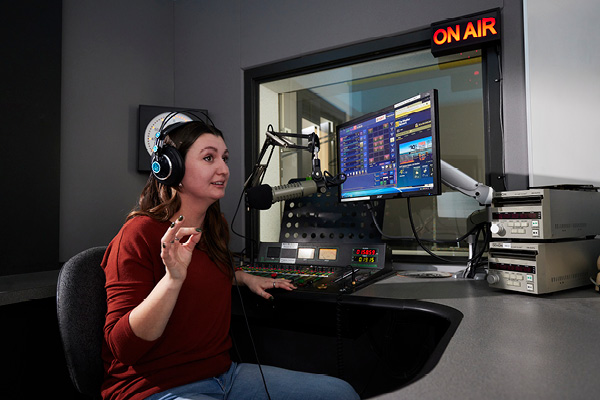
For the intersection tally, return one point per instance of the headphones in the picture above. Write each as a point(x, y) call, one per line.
point(168, 166)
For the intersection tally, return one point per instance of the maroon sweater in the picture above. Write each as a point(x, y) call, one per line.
point(196, 342)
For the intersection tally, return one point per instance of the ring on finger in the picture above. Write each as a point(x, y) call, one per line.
point(176, 239)
point(274, 283)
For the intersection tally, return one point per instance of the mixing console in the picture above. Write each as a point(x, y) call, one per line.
point(324, 267)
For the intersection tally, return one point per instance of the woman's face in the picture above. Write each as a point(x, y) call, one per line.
point(206, 169)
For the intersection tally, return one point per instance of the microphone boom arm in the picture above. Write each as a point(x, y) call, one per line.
point(280, 139)
point(258, 172)
point(272, 139)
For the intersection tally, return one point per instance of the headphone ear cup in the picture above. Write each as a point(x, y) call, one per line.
point(168, 167)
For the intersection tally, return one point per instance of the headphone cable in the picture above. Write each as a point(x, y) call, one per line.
point(248, 327)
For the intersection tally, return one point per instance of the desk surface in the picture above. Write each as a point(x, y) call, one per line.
point(509, 345)
point(25, 287)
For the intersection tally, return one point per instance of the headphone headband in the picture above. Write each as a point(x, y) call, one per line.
point(165, 129)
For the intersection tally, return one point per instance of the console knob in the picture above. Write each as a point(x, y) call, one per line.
point(493, 278)
point(498, 229)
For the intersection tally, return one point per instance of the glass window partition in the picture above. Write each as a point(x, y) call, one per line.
point(319, 101)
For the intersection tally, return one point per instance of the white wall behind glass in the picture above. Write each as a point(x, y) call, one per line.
point(563, 82)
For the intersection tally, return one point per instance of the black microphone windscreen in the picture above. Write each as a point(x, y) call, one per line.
point(260, 197)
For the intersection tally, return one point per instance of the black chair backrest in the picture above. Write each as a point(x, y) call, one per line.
point(81, 309)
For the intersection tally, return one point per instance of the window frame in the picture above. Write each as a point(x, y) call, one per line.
point(358, 53)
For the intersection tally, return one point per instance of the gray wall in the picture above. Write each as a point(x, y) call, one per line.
point(193, 53)
point(116, 55)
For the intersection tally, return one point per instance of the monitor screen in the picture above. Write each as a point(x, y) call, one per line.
point(393, 152)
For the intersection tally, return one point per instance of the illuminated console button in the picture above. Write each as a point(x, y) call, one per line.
point(535, 224)
point(529, 278)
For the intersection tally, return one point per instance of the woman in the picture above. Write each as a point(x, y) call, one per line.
point(168, 282)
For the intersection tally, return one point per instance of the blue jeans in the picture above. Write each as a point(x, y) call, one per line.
point(244, 382)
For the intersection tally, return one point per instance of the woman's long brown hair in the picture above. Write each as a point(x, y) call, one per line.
point(162, 202)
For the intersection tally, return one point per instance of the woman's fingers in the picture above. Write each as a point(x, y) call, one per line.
point(268, 283)
point(283, 284)
point(171, 233)
point(181, 234)
point(189, 237)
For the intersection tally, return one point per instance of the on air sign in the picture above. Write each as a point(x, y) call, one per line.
point(465, 33)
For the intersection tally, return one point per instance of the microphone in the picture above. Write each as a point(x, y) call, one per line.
point(261, 197)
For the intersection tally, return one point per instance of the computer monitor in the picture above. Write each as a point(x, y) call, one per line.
point(393, 152)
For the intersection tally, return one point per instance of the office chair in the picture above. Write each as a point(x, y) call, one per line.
point(81, 309)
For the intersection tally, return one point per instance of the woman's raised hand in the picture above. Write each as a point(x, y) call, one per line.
point(177, 247)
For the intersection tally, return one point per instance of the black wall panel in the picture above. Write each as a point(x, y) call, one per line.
point(31, 34)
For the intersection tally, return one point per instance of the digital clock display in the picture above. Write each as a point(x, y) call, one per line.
point(364, 259)
point(364, 252)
